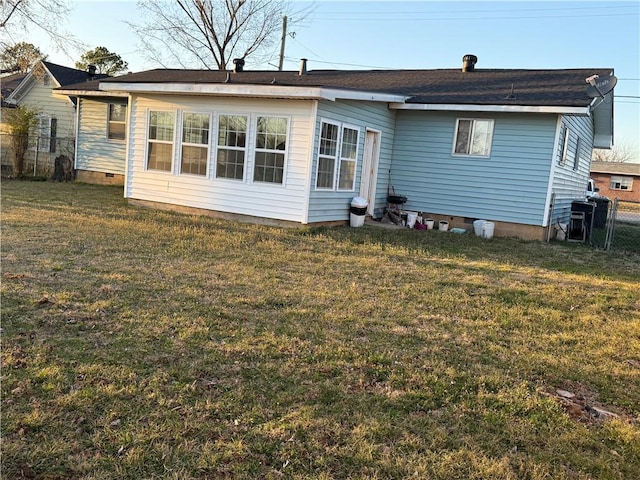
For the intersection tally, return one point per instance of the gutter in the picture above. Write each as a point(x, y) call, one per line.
point(448, 107)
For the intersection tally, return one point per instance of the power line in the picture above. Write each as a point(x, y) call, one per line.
point(510, 10)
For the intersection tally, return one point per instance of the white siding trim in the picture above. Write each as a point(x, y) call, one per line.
point(552, 171)
point(310, 157)
point(489, 108)
point(239, 90)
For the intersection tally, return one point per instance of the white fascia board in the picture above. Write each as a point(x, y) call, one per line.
point(244, 90)
point(90, 93)
point(489, 108)
point(26, 83)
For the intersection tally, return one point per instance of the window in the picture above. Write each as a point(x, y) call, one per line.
point(621, 183)
point(473, 137)
point(44, 133)
point(337, 156)
point(232, 144)
point(271, 145)
point(576, 158)
point(160, 146)
point(116, 121)
point(195, 143)
point(348, 156)
point(564, 144)
point(327, 155)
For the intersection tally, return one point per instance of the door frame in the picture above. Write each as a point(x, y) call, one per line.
point(370, 160)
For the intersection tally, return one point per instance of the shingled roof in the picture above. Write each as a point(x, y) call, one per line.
point(441, 86)
point(68, 76)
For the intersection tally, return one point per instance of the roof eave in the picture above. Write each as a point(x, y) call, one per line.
point(249, 90)
point(457, 107)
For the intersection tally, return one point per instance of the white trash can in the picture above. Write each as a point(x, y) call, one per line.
point(478, 227)
point(358, 211)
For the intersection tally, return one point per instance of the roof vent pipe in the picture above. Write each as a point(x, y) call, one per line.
point(238, 64)
point(469, 63)
point(303, 66)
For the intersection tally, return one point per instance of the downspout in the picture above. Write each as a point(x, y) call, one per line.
point(126, 147)
point(77, 145)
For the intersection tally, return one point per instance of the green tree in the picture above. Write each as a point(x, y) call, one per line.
point(105, 61)
point(21, 121)
point(20, 57)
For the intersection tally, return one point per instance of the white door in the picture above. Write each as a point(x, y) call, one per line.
point(370, 168)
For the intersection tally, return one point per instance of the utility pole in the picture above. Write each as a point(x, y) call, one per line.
point(284, 37)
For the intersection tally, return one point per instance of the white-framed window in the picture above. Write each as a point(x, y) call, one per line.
point(43, 132)
point(621, 183)
point(194, 155)
point(564, 144)
point(116, 121)
point(578, 154)
point(473, 137)
point(160, 140)
point(232, 146)
point(337, 156)
point(271, 149)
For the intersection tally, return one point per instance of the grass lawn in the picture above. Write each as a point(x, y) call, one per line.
point(140, 344)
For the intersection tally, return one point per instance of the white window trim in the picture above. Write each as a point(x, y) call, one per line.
point(109, 122)
point(337, 158)
point(565, 145)
point(246, 149)
point(576, 158)
point(253, 149)
point(473, 127)
point(173, 142)
point(199, 145)
point(43, 133)
point(341, 159)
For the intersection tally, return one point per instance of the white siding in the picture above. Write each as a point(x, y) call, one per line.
point(96, 153)
point(274, 201)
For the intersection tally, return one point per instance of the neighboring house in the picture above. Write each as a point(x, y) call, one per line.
point(8, 84)
point(617, 180)
point(55, 131)
point(510, 146)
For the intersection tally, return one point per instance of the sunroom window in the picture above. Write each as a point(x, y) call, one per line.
point(160, 145)
point(337, 157)
point(195, 143)
point(271, 146)
point(232, 145)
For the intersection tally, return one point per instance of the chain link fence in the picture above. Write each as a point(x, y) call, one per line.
point(39, 159)
point(605, 224)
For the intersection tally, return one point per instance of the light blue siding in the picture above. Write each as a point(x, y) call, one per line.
point(96, 153)
point(570, 183)
point(510, 185)
point(330, 205)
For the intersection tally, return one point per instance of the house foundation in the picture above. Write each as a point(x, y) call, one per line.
point(99, 178)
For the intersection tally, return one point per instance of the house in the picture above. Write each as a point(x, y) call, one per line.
point(617, 180)
point(55, 130)
point(8, 84)
point(511, 146)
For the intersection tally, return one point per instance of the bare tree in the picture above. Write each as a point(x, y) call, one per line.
point(18, 17)
point(208, 33)
point(621, 153)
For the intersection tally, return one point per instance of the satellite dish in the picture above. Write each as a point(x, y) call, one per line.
point(600, 86)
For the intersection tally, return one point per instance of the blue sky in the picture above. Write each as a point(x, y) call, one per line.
point(426, 34)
